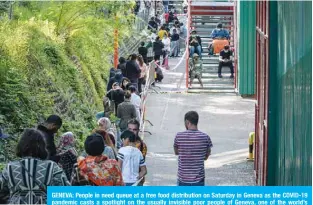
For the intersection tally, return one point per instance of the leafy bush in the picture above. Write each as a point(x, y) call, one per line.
point(54, 58)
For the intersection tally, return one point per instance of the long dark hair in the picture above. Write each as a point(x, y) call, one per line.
point(140, 59)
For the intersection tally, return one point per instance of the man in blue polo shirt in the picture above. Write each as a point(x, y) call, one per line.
point(193, 147)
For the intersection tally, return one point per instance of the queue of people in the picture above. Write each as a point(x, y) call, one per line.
point(43, 162)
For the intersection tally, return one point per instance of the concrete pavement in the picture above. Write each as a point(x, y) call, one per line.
point(226, 118)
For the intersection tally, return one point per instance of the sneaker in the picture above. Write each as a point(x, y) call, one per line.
point(220, 76)
point(231, 76)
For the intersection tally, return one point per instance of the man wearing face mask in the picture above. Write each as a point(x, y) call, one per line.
point(50, 127)
point(226, 59)
point(195, 44)
point(193, 147)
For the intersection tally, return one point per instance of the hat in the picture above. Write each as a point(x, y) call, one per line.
point(195, 55)
point(193, 31)
point(94, 145)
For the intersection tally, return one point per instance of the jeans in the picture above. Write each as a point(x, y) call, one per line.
point(192, 51)
point(228, 64)
point(200, 183)
point(129, 184)
point(174, 48)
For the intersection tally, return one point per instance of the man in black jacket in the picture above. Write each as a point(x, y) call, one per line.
point(143, 51)
point(152, 24)
point(49, 128)
point(133, 70)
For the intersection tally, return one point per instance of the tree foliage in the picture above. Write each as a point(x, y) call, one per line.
point(54, 58)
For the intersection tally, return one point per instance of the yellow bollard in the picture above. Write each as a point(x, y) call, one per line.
point(251, 144)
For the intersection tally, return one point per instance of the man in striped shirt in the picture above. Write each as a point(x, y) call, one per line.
point(193, 147)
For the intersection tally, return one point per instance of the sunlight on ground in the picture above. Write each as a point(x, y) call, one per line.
point(226, 158)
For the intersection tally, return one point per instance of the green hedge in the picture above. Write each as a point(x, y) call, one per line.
point(56, 63)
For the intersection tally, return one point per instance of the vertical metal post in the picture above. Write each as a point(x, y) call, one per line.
point(116, 43)
point(155, 7)
point(187, 41)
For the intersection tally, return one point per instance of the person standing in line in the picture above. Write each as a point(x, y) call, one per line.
point(96, 169)
point(67, 152)
point(116, 94)
point(126, 111)
point(143, 69)
point(193, 147)
point(143, 51)
point(162, 32)
point(134, 126)
point(167, 49)
point(174, 44)
point(135, 100)
point(25, 180)
point(133, 70)
point(49, 128)
point(157, 48)
point(130, 159)
point(122, 66)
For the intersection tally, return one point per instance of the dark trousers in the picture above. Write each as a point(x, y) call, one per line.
point(134, 82)
point(140, 81)
point(228, 64)
point(164, 55)
point(157, 57)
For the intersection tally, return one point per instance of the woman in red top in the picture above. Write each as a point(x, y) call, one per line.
point(96, 169)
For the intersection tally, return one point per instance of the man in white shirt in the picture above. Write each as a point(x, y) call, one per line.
point(130, 159)
point(136, 101)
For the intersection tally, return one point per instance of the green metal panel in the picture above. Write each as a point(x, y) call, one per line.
point(290, 91)
point(247, 45)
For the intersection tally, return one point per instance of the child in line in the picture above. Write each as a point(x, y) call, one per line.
point(130, 159)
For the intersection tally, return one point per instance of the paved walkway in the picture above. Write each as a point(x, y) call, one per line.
point(227, 119)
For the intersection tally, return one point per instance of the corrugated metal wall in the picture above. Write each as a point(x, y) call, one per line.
point(247, 45)
point(290, 112)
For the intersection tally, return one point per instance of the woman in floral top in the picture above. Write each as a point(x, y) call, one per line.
point(96, 169)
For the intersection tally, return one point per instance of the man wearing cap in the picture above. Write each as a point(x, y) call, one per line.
point(195, 66)
point(195, 44)
point(226, 59)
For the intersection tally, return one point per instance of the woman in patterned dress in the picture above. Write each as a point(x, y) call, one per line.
point(25, 181)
